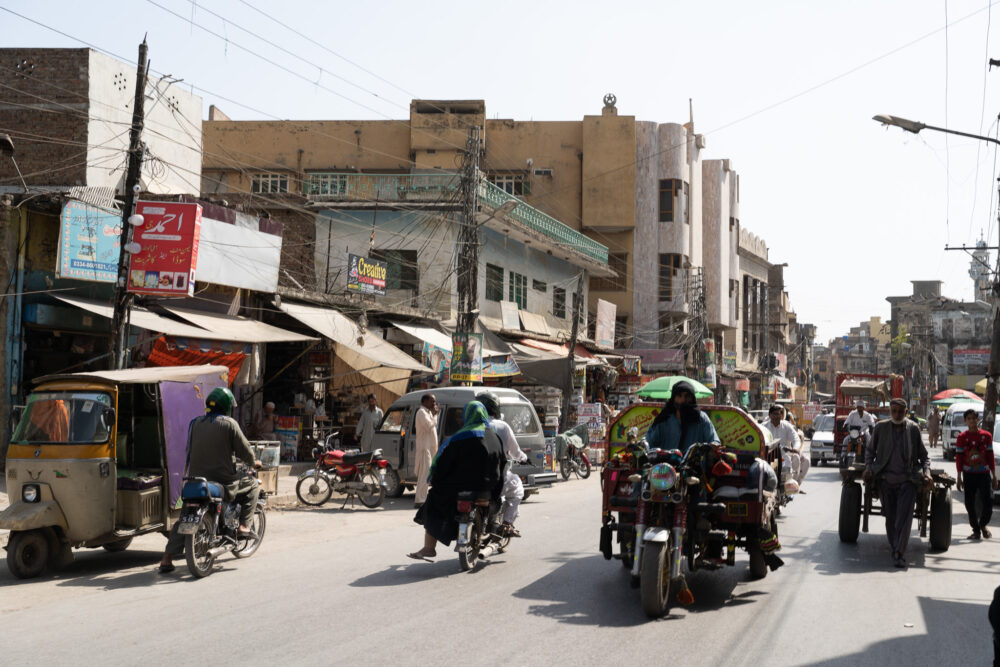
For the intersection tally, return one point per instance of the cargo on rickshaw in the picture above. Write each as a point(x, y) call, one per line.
point(98, 459)
point(669, 510)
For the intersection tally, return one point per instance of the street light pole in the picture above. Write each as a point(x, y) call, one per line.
point(993, 372)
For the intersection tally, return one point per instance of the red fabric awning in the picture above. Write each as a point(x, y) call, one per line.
point(168, 354)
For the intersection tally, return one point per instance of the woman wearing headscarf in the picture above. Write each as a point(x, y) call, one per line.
point(470, 460)
point(680, 423)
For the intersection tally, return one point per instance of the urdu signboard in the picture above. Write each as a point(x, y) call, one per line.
point(167, 258)
point(89, 246)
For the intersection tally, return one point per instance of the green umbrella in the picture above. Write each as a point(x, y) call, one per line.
point(663, 386)
point(945, 402)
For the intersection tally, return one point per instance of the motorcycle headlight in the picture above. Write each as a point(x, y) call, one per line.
point(30, 493)
point(662, 477)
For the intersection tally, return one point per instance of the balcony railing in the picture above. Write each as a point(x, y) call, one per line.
point(534, 219)
point(337, 186)
point(429, 188)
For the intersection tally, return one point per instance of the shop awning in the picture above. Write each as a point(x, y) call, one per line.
point(784, 382)
point(240, 329)
point(345, 333)
point(151, 375)
point(139, 317)
point(582, 354)
point(439, 339)
point(535, 323)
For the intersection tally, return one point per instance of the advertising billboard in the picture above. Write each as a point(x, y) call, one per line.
point(166, 259)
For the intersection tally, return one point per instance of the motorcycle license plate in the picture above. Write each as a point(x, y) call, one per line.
point(188, 524)
point(737, 509)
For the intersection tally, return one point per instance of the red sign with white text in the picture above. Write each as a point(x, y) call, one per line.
point(168, 249)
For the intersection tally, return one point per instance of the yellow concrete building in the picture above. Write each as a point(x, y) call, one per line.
point(605, 175)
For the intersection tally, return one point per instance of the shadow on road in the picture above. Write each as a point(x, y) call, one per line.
point(415, 571)
point(336, 506)
point(957, 633)
point(607, 600)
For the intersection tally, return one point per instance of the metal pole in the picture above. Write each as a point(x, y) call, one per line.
point(571, 357)
point(123, 299)
point(468, 238)
point(990, 409)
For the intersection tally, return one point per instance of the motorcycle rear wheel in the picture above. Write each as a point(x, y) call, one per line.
point(314, 490)
point(196, 547)
point(654, 578)
point(468, 556)
point(374, 493)
point(583, 469)
point(247, 546)
point(564, 468)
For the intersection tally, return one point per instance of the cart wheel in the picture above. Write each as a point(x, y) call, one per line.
point(850, 512)
point(940, 534)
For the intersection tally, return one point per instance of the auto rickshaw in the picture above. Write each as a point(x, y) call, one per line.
point(97, 459)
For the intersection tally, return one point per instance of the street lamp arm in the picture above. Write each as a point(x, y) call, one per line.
point(915, 127)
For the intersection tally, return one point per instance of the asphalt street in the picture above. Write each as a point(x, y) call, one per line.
point(332, 586)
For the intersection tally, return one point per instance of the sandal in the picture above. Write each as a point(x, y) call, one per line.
point(167, 568)
point(416, 555)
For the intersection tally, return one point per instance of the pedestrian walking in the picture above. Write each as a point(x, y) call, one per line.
point(897, 462)
point(977, 474)
point(427, 444)
point(933, 426)
point(371, 417)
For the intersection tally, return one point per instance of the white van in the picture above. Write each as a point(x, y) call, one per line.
point(953, 423)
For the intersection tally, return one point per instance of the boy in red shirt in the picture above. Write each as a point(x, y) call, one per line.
point(977, 473)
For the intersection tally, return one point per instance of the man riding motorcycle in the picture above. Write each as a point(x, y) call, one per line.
point(213, 441)
point(513, 489)
point(863, 421)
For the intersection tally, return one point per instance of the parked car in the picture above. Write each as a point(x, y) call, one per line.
point(397, 440)
point(822, 440)
point(953, 423)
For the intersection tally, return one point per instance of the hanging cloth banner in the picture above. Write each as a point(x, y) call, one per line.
point(170, 354)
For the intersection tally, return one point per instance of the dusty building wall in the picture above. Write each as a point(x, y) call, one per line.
point(645, 288)
point(718, 241)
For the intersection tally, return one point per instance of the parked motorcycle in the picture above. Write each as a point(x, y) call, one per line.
point(210, 525)
point(357, 475)
point(576, 460)
point(479, 535)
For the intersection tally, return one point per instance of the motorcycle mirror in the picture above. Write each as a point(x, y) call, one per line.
point(634, 478)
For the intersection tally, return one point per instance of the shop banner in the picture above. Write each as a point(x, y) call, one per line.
point(658, 360)
point(964, 359)
point(729, 362)
point(743, 385)
point(631, 365)
point(366, 276)
point(707, 372)
point(811, 410)
point(168, 249)
point(782, 361)
point(500, 367)
point(466, 357)
point(88, 243)
point(604, 332)
point(440, 361)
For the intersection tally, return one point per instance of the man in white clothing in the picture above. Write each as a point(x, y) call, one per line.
point(425, 429)
point(783, 434)
point(863, 420)
point(371, 417)
point(513, 489)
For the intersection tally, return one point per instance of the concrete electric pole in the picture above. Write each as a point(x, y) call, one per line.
point(571, 357)
point(468, 238)
point(136, 149)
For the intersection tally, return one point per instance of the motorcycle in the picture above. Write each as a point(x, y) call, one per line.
point(479, 535)
point(852, 447)
point(576, 460)
point(210, 524)
point(357, 475)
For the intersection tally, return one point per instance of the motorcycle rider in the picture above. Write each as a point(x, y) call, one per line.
point(680, 423)
point(513, 489)
point(861, 419)
point(470, 460)
point(213, 440)
point(785, 436)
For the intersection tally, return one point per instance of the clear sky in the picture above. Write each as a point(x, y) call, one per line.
point(785, 89)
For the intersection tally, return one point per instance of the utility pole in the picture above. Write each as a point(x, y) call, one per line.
point(993, 372)
point(571, 357)
point(123, 299)
point(468, 238)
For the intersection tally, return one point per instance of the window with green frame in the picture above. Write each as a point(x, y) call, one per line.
point(517, 290)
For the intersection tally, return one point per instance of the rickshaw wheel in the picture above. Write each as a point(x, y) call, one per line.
point(758, 568)
point(27, 554)
point(654, 582)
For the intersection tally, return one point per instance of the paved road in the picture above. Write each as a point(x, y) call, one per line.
point(333, 587)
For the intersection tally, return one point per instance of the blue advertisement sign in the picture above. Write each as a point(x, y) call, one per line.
point(89, 243)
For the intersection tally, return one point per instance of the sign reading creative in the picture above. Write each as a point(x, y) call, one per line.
point(88, 243)
point(167, 255)
point(466, 357)
point(366, 276)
